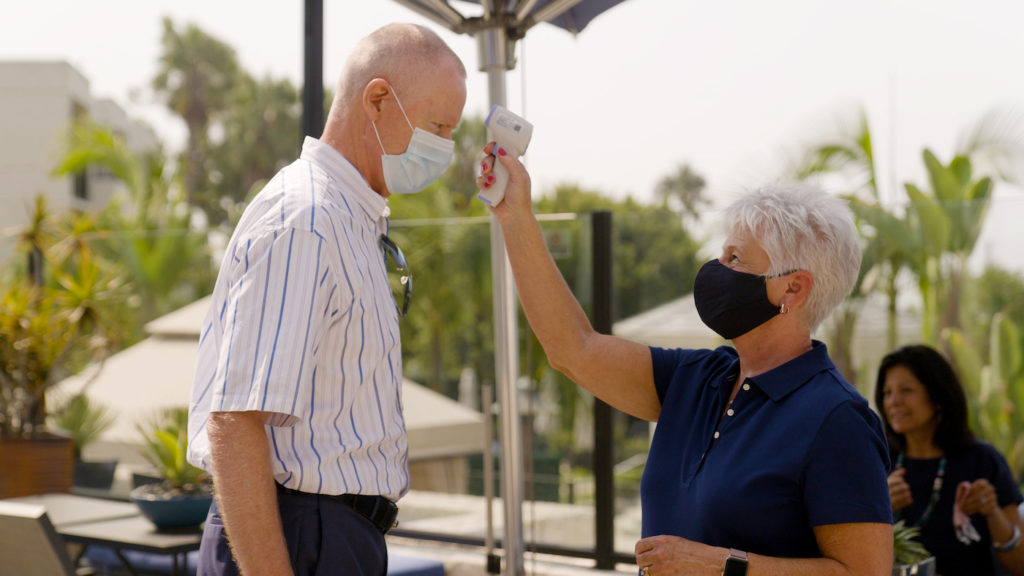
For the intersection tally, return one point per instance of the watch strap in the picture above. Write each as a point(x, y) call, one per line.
point(735, 563)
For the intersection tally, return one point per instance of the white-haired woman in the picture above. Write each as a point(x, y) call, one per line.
point(765, 460)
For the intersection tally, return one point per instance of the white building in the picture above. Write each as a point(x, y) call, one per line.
point(38, 102)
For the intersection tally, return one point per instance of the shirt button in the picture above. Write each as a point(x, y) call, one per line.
point(746, 386)
point(729, 412)
point(716, 435)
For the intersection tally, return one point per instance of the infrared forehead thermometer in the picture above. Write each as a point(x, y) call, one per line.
point(512, 133)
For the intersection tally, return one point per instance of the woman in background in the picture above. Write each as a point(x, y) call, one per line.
point(956, 488)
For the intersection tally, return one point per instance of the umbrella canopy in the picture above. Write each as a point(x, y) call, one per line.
point(157, 373)
point(571, 15)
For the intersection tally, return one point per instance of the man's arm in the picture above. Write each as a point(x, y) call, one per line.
point(246, 494)
point(615, 370)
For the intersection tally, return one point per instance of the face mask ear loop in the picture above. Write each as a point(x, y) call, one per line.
point(400, 107)
point(374, 124)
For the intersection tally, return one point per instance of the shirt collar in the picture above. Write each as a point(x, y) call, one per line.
point(341, 169)
point(780, 381)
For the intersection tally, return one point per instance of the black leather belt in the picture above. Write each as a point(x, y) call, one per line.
point(380, 511)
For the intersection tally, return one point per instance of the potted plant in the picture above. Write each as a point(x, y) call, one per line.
point(51, 324)
point(910, 556)
point(183, 497)
point(84, 420)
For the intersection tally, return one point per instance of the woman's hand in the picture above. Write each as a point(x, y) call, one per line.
point(899, 490)
point(517, 192)
point(672, 555)
point(981, 498)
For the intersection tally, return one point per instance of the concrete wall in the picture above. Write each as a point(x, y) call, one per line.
point(38, 102)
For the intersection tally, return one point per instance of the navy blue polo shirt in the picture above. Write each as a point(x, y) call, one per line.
point(798, 448)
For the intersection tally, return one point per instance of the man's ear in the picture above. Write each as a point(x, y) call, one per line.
point(374, 94)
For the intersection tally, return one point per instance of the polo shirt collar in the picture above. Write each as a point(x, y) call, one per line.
point(778, 382)
point(340, 169)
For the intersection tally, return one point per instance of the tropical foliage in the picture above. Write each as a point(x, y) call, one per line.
point(147, 232)
point(932, 236)
point(165, 446)
point(57, 314)
point(84, 420)
point(906, 548)
point(850, 155)
point(241, 129)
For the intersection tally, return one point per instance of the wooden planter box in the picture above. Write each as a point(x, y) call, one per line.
point(35, 466)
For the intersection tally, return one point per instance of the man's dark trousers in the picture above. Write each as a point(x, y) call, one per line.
point(324, 537)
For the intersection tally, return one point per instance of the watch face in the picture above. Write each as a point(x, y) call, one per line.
point(735, 567)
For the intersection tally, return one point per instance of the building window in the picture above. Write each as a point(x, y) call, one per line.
point(81, 186)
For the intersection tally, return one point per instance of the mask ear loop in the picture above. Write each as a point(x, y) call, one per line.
point(400, 107)
point(406, 116)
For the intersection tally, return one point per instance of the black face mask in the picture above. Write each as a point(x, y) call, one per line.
point(731, 303)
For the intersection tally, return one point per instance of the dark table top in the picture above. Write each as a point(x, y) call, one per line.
point(133, 533)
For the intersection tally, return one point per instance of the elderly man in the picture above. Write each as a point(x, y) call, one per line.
point(296, 407)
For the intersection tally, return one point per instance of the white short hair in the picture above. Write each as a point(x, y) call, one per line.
point(801, 227)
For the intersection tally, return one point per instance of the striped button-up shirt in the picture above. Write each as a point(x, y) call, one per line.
point(303, 326)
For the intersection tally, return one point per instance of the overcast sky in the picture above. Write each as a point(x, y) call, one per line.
point(732, 87)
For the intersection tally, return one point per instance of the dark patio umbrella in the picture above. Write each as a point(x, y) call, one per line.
point(498, 24)
point(520, 16)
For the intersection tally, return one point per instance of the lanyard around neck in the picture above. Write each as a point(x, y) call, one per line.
point(936, 489)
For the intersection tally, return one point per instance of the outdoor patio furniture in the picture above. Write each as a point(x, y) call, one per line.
point(29, 543)
point(114, 538)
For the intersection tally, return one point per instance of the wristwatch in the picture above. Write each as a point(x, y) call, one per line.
point(736, 563)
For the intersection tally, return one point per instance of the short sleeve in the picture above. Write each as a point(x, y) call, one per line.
point(1007, 491)
point(278, 285)
point(695, 365)
point(845, 477)
point(664, 363)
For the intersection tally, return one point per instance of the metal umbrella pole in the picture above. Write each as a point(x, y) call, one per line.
point(494, 60)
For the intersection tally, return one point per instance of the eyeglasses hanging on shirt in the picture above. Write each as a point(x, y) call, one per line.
point(399, 274)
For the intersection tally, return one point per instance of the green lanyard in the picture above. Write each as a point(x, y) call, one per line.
point(936, 490)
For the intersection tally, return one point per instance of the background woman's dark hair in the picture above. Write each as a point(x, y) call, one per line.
point(943, 387)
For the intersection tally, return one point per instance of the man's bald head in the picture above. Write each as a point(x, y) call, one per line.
point(402, 54)
point(367, 119)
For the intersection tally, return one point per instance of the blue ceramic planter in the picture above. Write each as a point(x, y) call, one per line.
point(181, 510)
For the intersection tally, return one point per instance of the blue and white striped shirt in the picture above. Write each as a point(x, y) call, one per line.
point(303, 325)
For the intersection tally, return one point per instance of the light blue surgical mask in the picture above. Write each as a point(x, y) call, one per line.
point(424, 160)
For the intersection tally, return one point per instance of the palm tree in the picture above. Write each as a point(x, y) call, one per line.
point(683, 190)
point(149, 231)
point(850, 154)
point(197, 74)
point(950, 218)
